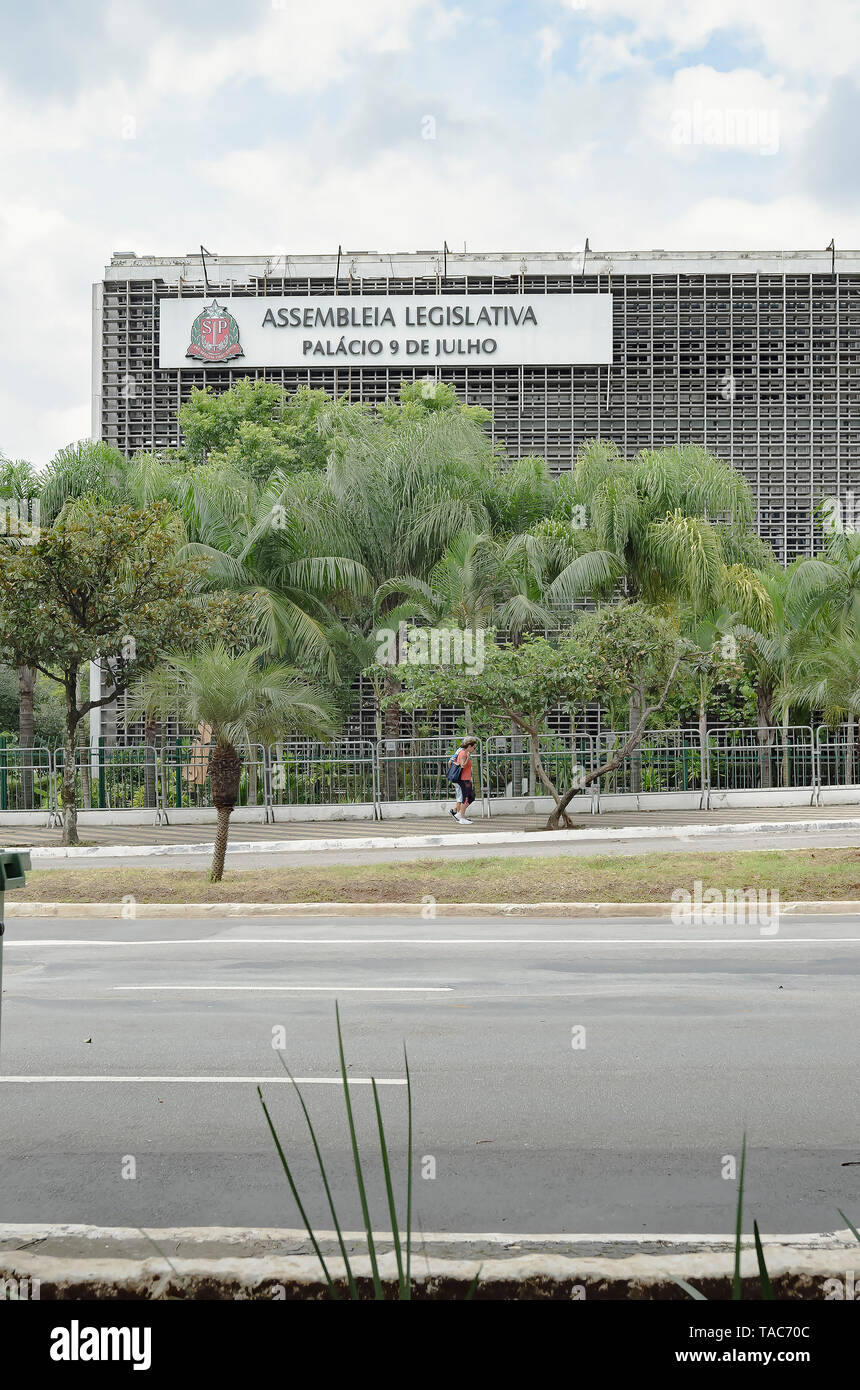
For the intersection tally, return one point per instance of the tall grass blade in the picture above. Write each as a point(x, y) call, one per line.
point(389, 1192)
point(332, 1287)
point(688, 1288)
point(356, 1159)
point(353, 1290)
point(766, 1289)
point(852, 1228)
point(736, 1277)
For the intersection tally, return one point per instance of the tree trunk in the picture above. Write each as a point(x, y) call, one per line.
point(26, 732)
point(68, 794)
point(220, 850)
point(635, 714)
point(786, 759)
point(225, 770)
point(764, 717)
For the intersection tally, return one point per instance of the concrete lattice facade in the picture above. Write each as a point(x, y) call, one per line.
point(754, 355)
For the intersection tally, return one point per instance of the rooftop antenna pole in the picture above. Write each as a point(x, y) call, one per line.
point(445, 255)
point(832, 249)
point(337, 267)
point(584, 258)
point(203, 254)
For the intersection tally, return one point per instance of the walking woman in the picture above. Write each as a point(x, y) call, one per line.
point(462, 782)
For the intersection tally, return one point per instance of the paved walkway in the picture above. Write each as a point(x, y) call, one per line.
point(124, 834)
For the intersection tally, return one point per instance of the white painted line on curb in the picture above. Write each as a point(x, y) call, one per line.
point(207, 1080)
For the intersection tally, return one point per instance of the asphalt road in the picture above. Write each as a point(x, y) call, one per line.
point(134, 1039)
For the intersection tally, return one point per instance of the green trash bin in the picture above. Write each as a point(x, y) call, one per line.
point(13, 863)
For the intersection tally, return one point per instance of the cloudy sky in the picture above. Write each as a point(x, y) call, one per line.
point(293, 125)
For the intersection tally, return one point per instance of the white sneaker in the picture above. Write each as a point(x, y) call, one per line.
point(464, 820)
point(452, 812)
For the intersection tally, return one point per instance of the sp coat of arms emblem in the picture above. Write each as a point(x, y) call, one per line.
point(214, 335)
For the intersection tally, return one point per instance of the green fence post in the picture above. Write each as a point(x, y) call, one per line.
point(102, 788)
point(3, 785)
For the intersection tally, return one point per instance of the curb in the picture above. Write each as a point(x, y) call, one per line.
point(795, 1274)
point(440, 841)
point(160, 911)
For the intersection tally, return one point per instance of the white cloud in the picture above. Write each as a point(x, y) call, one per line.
point(302, 129)
point(794, 34)
point(549, 42)
point(741, 110)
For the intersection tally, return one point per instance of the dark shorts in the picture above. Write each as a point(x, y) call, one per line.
point(468, 791)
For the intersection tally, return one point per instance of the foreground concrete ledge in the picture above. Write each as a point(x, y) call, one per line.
point(795, 1274)
point(223, 1262)
point(661, 911)
point(597, 833)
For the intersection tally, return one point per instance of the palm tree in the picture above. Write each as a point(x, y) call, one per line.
point(826, 677)
point(771, 640)
point(241, 701)
point(658, 511)
point(268, 544)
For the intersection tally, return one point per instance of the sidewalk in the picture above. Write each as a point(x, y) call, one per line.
point(121, 833)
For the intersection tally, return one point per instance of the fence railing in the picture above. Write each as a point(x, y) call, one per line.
point(838, 755)
point(323, 774)
point(391, 772)
point(26, 778)
point(113, 778)
point(186, 784)
point(749, 760)
point(510, 770)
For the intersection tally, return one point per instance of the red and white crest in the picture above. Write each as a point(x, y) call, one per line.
point(214, 335)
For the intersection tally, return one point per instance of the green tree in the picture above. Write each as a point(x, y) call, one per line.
point(240, 701)
point(256, 428)
point(610, 653)
point(103, 583)
point(21, 487)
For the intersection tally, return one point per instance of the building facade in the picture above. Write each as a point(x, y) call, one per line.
point(754, 355)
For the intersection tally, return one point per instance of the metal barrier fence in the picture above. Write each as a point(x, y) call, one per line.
point(510, 770)
point(113, 778)
point(185, 778)
point(364, 772)
point(413, 769)
point(323, 774)
point(746, 760)
point(26, 778)
point(838, 755)
point(667, 760)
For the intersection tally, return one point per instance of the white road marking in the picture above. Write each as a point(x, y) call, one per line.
point(207, 1080)
point(358, 941)
point(305, 989)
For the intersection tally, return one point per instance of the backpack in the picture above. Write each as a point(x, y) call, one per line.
point(454, 771)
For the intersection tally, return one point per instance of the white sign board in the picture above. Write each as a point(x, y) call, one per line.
point(387, 330)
